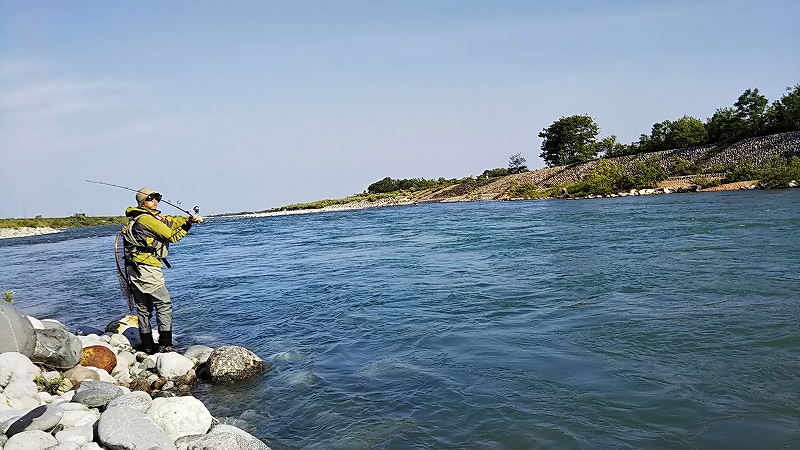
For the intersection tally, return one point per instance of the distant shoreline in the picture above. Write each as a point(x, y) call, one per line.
point(664, 187)
point(7, 233)
point(353, 206)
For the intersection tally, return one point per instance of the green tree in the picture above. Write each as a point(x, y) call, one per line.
point(784, 114)
point(751, 107)
point(725, 126)
point(570, 140)
point(610, 147)
point(684, 132)
point(516, 164)
point(494, 173)
point(385, 185)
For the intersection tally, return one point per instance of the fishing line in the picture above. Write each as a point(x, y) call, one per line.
point(194, 212)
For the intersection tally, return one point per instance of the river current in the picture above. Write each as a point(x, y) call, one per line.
point(663, 322)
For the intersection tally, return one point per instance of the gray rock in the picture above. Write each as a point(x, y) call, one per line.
point(43, 418)
point(16, 331)
point(221, 437)
point(234, 363)
point(56, 347)
point(137, 400)
point(198, 352)
point(124, 428)
point(30, 440)
point(96, 393)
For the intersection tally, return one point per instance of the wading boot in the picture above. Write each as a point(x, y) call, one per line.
point(148, 346)
point(165, 342)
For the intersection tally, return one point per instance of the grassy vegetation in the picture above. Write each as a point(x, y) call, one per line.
point(531, 191)
point(75, 221)
point(9, 296)
point(776, 172)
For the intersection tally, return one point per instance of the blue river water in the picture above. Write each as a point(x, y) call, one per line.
point(663, 322)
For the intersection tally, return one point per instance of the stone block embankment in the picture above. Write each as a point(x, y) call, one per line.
point(709, 157)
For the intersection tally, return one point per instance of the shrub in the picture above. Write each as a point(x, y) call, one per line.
point(647, 173)
point(494, 173)
point(743, 172)
point(705, 182)
point(530, 191)
point(778, 172)
point(679, 166)
point(9, 295)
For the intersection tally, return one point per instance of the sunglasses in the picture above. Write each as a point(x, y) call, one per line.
point(154, 196)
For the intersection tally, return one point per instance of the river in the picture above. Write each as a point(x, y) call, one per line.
point(662, 322)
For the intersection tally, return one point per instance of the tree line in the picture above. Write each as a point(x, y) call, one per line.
point(574, 139)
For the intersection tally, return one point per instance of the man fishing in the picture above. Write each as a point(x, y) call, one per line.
point(147, 236)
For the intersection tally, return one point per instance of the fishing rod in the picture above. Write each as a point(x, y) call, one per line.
point(195, 211)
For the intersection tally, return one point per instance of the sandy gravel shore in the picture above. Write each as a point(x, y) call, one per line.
point(343, 207)
point(6, 233)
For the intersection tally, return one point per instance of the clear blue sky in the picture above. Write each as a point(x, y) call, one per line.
point(248, 105)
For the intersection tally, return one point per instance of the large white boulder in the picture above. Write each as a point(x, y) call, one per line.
point(171, 365)
point(180, 416)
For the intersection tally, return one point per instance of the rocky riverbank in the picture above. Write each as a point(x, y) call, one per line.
point(92, 390)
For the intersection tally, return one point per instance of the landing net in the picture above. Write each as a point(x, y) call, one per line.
point(122, 275)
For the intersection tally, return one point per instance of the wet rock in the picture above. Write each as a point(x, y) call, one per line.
point(221, 437)
point(234, 363)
